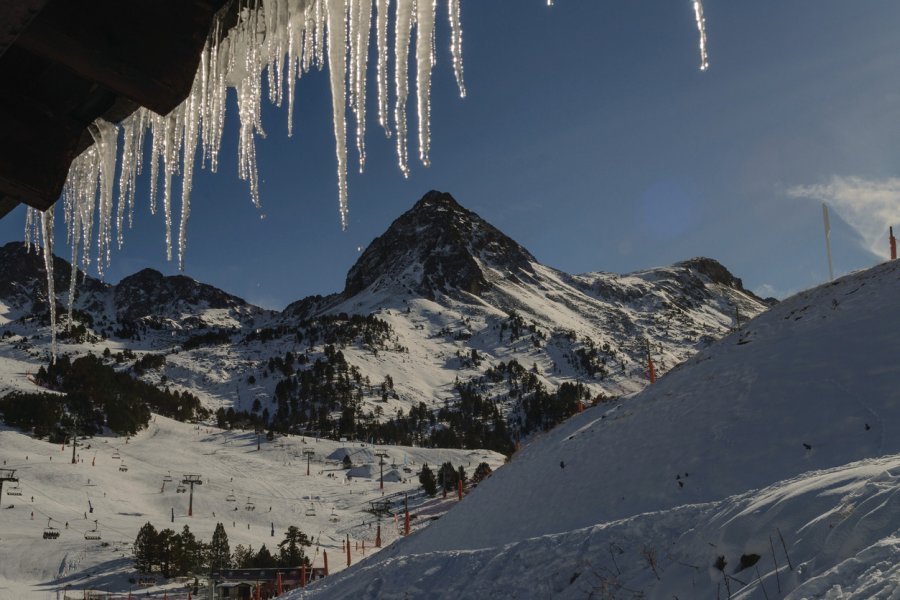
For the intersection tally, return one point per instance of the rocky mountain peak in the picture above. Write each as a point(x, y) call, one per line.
point(438, 247)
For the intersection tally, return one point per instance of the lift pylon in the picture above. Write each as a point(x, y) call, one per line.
point(191, 480)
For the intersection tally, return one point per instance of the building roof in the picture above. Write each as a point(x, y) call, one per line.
point(64, 63)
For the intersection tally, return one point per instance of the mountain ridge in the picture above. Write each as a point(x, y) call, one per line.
point(448, 307)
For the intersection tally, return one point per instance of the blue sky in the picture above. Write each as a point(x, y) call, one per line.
point(590, 136)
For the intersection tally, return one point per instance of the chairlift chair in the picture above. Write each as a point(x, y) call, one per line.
point(180, 489)
point(333, 517)
point(116, 455)
point(14, 491)
point(50, 533)
point(93, 534)
point(311, 511)
point(167, 478)
point(231, 497)
point(249, 505)
point(123, 467)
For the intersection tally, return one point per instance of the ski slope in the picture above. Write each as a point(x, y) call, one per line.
point(273, 479)
point(785, 430)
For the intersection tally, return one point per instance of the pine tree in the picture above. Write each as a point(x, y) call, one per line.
point(145, 549)
point(426, 478)
point(264, 559)
point(164, 551)
point(291, 548)
point(482, 471)
point(219, 556)
point(242, 557)
point(447, 477)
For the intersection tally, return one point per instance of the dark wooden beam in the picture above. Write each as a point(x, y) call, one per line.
point(67, 62)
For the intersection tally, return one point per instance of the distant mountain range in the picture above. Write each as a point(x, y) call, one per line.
point(449, 301)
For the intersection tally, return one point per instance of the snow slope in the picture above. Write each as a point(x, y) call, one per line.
point(785, 429)
point(229, 463)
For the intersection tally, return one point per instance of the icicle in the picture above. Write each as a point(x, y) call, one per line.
point(292, 71)
point(360, 59)
point(701, 28)
point(456, 45)
point(381, 33)
point(191, 125)
point(425, 10)
point(402, 29)
point(106, 137)
point(47, 240)
point(337, 66)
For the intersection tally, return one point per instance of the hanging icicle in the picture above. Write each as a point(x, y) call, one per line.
point(701, 28)
point(47, 241)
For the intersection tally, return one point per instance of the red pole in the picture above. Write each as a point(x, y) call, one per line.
point(460, 489)
point(279, 586)
point(378, 537)
point(303, 576)
point(364, 547)
point(325, 558)
point(191, 502)
point(348, 549)
point(406, 517)
point(652, 370)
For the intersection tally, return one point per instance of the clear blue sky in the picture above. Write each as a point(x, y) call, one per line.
point(590, 136)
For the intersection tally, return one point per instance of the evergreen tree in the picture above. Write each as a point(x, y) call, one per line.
point(219, 556)
point(164, 551)
point(187, 552)
point(447, 477)
point(145, 549)
point(291, 548)
point(242, 557)
point(482, 471)
point(426, 478)
point(264, 559)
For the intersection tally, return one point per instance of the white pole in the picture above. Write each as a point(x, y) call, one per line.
point(827, 240)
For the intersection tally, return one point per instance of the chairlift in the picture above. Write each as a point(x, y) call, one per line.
point(93, 534)
point(311, 511)
point(231, 497)
point(116, 454)
point(14, 491)
point(180, 489)
point(333, 517)
point(249, 505)
point(123, 467)
point(50, 533)
point(167, 478)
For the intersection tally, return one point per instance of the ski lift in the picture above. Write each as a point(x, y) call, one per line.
point(333, 517)
point(50, 533)
point(249, 505)
point(93, 534)
point(167, 478)
point(116, 454)
point(231, 497)
point(311, 511)
point(180, 489)
point(123, 467)
point(14, 491)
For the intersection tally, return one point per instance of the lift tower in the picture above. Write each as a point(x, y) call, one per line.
point(309, 453)
point(191, 480)
point(381, 456)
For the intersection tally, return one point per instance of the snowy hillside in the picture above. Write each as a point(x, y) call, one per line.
point(326, 505)
point(450, 301)
point(775, 449)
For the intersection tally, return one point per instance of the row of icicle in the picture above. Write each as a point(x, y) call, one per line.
point(282, 39)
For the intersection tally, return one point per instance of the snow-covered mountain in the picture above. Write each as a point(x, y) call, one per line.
point(766, 466)
point(449, 301)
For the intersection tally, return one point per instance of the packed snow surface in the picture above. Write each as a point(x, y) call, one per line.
point(766, 466)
